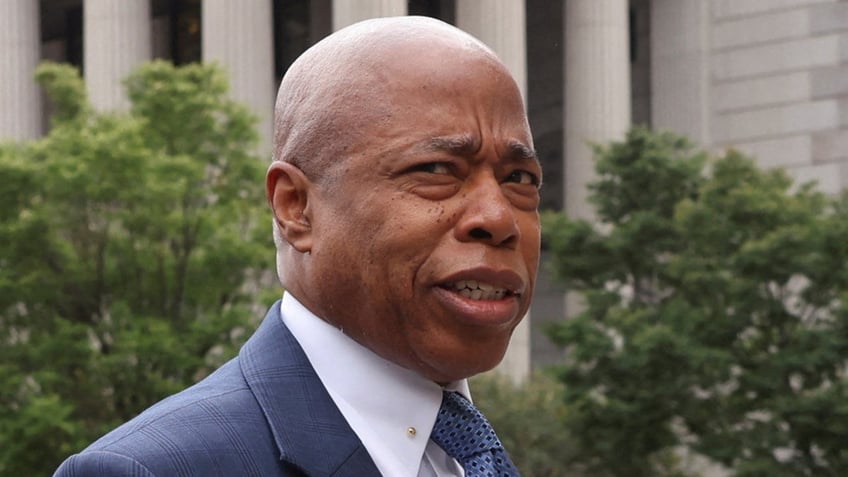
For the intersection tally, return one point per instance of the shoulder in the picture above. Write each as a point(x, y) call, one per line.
point(93, 462)
point(212, 427)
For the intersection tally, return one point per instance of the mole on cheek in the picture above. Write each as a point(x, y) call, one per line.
point(441, 214)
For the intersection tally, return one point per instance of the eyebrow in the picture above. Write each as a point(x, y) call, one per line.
point(460, 145)
point(467, 145)
point(522, 151)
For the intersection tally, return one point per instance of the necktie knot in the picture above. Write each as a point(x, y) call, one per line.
point(465, 434)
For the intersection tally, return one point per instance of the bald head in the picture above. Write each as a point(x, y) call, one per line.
point(342, 84)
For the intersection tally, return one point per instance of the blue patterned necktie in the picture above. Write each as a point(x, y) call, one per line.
point(463, 432)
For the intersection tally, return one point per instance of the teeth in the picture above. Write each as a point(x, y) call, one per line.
point(479, 290)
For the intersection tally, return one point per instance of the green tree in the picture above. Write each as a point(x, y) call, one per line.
point(133, 247)
point(715, 314)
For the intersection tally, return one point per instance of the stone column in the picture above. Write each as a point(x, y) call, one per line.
point(597, 90)
point(20, 43)
point(242, 41)
point(500, 24)
point(116, 40)
point(680, 68)
point(347, 12)
point(597, 98)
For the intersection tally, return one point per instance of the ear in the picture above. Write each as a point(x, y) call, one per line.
point(287, 189)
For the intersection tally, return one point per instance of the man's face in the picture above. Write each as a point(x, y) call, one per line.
point(426, 244)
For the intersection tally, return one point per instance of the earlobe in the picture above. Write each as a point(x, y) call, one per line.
point(287, 189)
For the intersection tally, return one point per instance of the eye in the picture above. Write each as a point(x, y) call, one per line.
point(523, 177)
point(432, 168)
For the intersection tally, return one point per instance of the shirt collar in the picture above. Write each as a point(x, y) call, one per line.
point(391, 409)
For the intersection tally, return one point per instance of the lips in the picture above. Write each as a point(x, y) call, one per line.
point(482, 296)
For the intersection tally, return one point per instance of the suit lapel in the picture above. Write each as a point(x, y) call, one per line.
point(309, 430)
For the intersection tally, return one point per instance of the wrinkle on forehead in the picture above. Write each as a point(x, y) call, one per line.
point(469, 144)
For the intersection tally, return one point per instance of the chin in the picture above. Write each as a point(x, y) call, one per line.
point(455, 369)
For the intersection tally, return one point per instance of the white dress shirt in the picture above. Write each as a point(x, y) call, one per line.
point(390, 408)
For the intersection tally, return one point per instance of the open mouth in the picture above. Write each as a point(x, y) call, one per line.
point(477, 290)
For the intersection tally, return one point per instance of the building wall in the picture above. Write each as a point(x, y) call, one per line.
point(779, 79)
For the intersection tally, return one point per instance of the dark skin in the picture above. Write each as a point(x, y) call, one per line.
point(434, 194)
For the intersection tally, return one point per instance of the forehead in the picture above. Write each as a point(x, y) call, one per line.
point(452, 93)
point(475, 111)
point(402, 92)
point(460, 67)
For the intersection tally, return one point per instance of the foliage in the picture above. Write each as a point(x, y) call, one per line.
point(715, 314)
point(128, 241)
point(530, 421)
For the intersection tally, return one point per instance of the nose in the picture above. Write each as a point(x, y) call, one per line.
point(488, 216)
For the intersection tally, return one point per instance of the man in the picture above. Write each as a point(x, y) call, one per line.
point(404, 190)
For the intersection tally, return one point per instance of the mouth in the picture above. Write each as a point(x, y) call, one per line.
point(483, 296)
point(479, 290)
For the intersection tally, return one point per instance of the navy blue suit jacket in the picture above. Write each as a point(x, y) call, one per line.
point(264, 413)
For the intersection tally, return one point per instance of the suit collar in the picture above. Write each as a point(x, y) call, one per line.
point(309, 430)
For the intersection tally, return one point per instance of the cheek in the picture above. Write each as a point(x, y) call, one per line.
point(531, 244)
point(401, 248)
point(390, 258)
point(531, 249)
point(531, 228)
point(407, 229)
